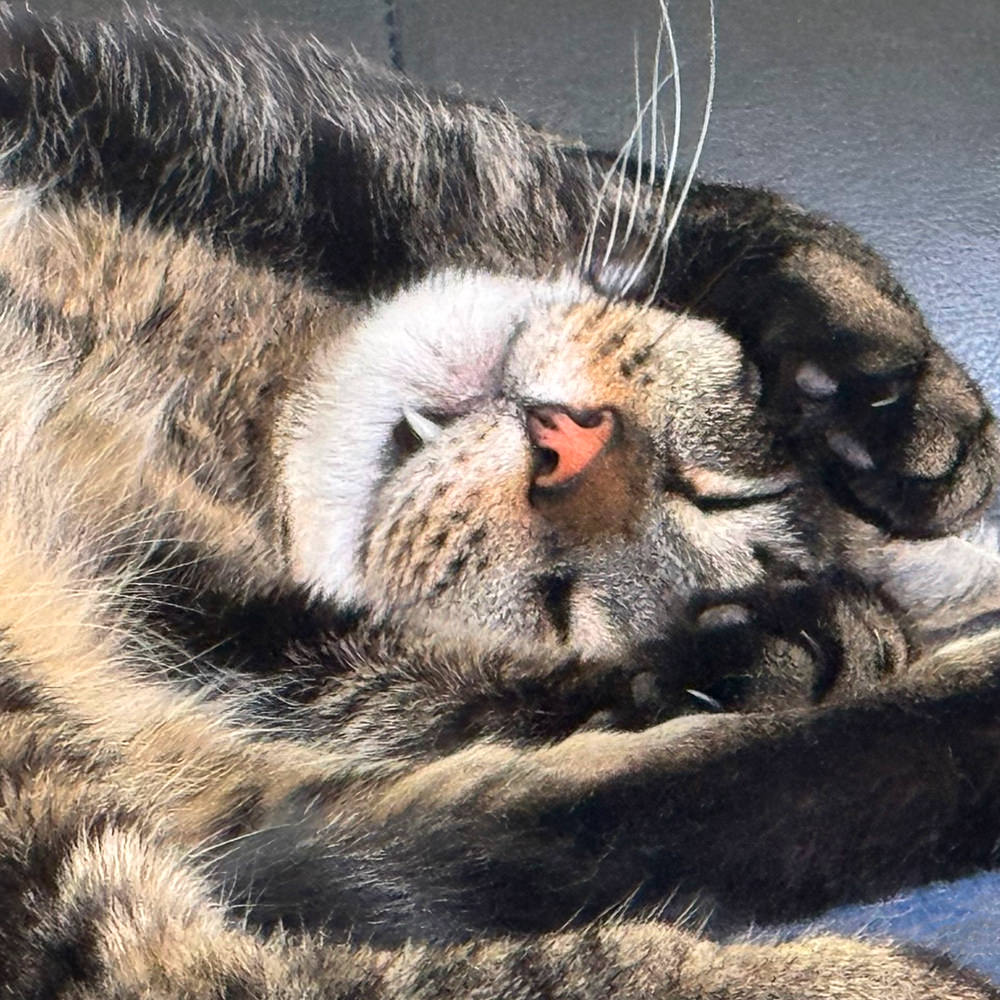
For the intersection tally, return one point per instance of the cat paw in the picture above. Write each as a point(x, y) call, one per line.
point(785, 643)
point(854, 382)
point(894, 426)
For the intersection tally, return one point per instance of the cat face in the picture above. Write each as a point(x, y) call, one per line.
point(528, 462)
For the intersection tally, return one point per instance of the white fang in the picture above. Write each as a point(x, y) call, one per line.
point(422, 426)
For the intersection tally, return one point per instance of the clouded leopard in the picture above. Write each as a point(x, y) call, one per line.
point(440, 559)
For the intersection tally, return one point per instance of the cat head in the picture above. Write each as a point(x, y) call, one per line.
point(527, 461)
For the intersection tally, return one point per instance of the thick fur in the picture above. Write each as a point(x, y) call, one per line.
point(234, 763)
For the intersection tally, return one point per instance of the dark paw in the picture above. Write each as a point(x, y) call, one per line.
point(855, 384)
point(895, 427)
point(784, 644)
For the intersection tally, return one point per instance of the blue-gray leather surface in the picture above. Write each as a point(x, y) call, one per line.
point(882, 113)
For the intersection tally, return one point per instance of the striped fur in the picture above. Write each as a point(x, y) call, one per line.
point(222, 774)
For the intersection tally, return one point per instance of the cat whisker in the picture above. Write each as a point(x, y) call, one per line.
point(640, 117)
point(586, 256)
point(664, 245)
point(676, 141)
point(700, 146)
point(616, 218)
point(675, 62)
point(661, 208)
point(638, 134)
point(655, 111)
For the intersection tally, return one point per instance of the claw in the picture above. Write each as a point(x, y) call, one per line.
point(705, 699)
point(888, 401)
point(425, 428)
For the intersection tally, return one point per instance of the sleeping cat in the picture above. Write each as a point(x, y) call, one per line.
point(415, 585)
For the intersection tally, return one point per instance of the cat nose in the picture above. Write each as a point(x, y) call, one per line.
point(566, 442)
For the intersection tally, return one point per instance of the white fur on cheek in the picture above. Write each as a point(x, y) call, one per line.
point(440, 346)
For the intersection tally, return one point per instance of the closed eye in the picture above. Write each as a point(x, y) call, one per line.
point(715, 492)
point(716, 504)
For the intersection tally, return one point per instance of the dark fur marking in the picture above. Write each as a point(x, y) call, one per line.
point(557, 594)
point(17, 694)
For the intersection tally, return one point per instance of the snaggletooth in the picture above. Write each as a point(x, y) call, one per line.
point(422, 426)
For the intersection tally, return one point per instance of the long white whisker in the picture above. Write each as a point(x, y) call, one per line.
point(618, 208)
point(641, 107)
point(661, 207)
point(640, 116)
point(585, 257)
point(664, 246)
point(675, 63)
point(655, 113)
point(706, 117)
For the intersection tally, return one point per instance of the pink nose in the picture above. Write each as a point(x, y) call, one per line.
point(569, 441)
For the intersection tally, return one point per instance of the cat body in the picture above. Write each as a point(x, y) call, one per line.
point(380, 518)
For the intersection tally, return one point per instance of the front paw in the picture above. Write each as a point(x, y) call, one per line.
point(852, 378)
point(784, 644)
point(895, 427)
